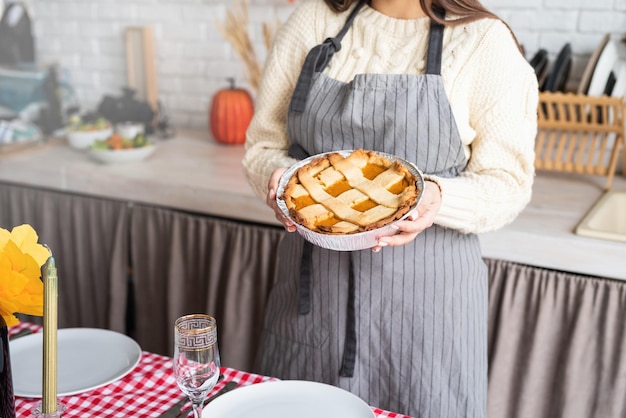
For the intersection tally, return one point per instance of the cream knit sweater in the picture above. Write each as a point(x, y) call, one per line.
point(492, 90)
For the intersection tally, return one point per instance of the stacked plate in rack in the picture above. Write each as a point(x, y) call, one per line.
point(605, 73)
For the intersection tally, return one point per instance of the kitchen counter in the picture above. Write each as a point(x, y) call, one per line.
point(543, 234)
point(191, 172)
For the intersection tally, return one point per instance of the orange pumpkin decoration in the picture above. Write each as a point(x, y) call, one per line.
point(230, 115)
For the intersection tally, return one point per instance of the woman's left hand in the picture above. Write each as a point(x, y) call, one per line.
point(423, 217)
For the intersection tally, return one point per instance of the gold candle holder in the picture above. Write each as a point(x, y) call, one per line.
point(49, 389)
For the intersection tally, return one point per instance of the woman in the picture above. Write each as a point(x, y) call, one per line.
point(403, 326)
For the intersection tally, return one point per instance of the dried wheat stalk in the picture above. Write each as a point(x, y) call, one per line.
point(234, 29)
point(268, 33)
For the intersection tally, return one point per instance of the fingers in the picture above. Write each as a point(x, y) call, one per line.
point(272, 186)
point(270, 200)
point(280, 216)
point(420, 220)
point(380, 245)
point(406, 232)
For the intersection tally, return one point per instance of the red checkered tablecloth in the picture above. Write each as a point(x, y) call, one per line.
point(148, 391)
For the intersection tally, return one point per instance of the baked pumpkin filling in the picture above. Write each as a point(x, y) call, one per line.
point(362, 191)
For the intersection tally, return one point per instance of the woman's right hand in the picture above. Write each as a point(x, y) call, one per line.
point(270, 200)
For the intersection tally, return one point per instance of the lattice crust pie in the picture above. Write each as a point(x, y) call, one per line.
point(337, 194)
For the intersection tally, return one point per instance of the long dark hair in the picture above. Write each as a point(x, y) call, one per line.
point(467, 10)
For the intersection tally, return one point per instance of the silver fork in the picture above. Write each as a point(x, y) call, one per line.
point(21, 333)
point(176, 410)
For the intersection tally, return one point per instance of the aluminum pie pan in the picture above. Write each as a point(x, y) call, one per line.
point(348, 242)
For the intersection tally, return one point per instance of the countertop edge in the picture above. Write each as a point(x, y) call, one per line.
point(191, 172)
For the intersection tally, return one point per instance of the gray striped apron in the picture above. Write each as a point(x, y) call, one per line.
point(405, 329)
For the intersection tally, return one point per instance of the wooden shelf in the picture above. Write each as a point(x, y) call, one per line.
point(580, 134)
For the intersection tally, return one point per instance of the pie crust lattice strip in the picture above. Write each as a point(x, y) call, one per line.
point(343, 194)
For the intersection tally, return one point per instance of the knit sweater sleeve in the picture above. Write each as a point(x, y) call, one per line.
point(502, 98)
point(266, 138)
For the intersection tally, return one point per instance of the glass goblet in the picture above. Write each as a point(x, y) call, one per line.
point(196, 357)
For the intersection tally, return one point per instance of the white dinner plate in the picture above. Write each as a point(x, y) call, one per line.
point(606, 62)
point(612, 60)
point(87, 358)
point(585, 79)
point(288, 399)
point(131, 155)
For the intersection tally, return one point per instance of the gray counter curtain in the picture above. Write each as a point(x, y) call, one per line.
point(557, 344)
point(89, 240)
point(173, 262)
point(557, 341)
point(186, 263)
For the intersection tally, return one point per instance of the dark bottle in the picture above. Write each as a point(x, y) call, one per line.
point(7, 400)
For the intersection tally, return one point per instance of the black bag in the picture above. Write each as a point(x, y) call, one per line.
point(127, 109)
point(17, 44)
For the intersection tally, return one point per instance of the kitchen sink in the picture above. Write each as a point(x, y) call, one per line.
point(607, 217)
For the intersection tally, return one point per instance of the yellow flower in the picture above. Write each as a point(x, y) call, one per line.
point(21, 258)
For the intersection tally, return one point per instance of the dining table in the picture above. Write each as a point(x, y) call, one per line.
point(149, 390)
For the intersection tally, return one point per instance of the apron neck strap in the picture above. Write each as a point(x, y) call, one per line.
point(435, 43)
point(349, 21)
point(317, 59)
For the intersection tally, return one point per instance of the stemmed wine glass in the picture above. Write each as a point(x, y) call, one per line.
point(196, 357)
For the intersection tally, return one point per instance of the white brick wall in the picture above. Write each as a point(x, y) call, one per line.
point(192, 60)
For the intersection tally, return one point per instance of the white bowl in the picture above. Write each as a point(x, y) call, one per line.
point(122, 155)
point(85, 139)
point(348, 242)
point(129, 130)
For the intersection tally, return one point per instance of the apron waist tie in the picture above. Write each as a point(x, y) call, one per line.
point(304, 307)
point(304, 297)
point(349, 347)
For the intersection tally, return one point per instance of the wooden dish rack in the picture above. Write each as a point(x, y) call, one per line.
point(580, 134)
